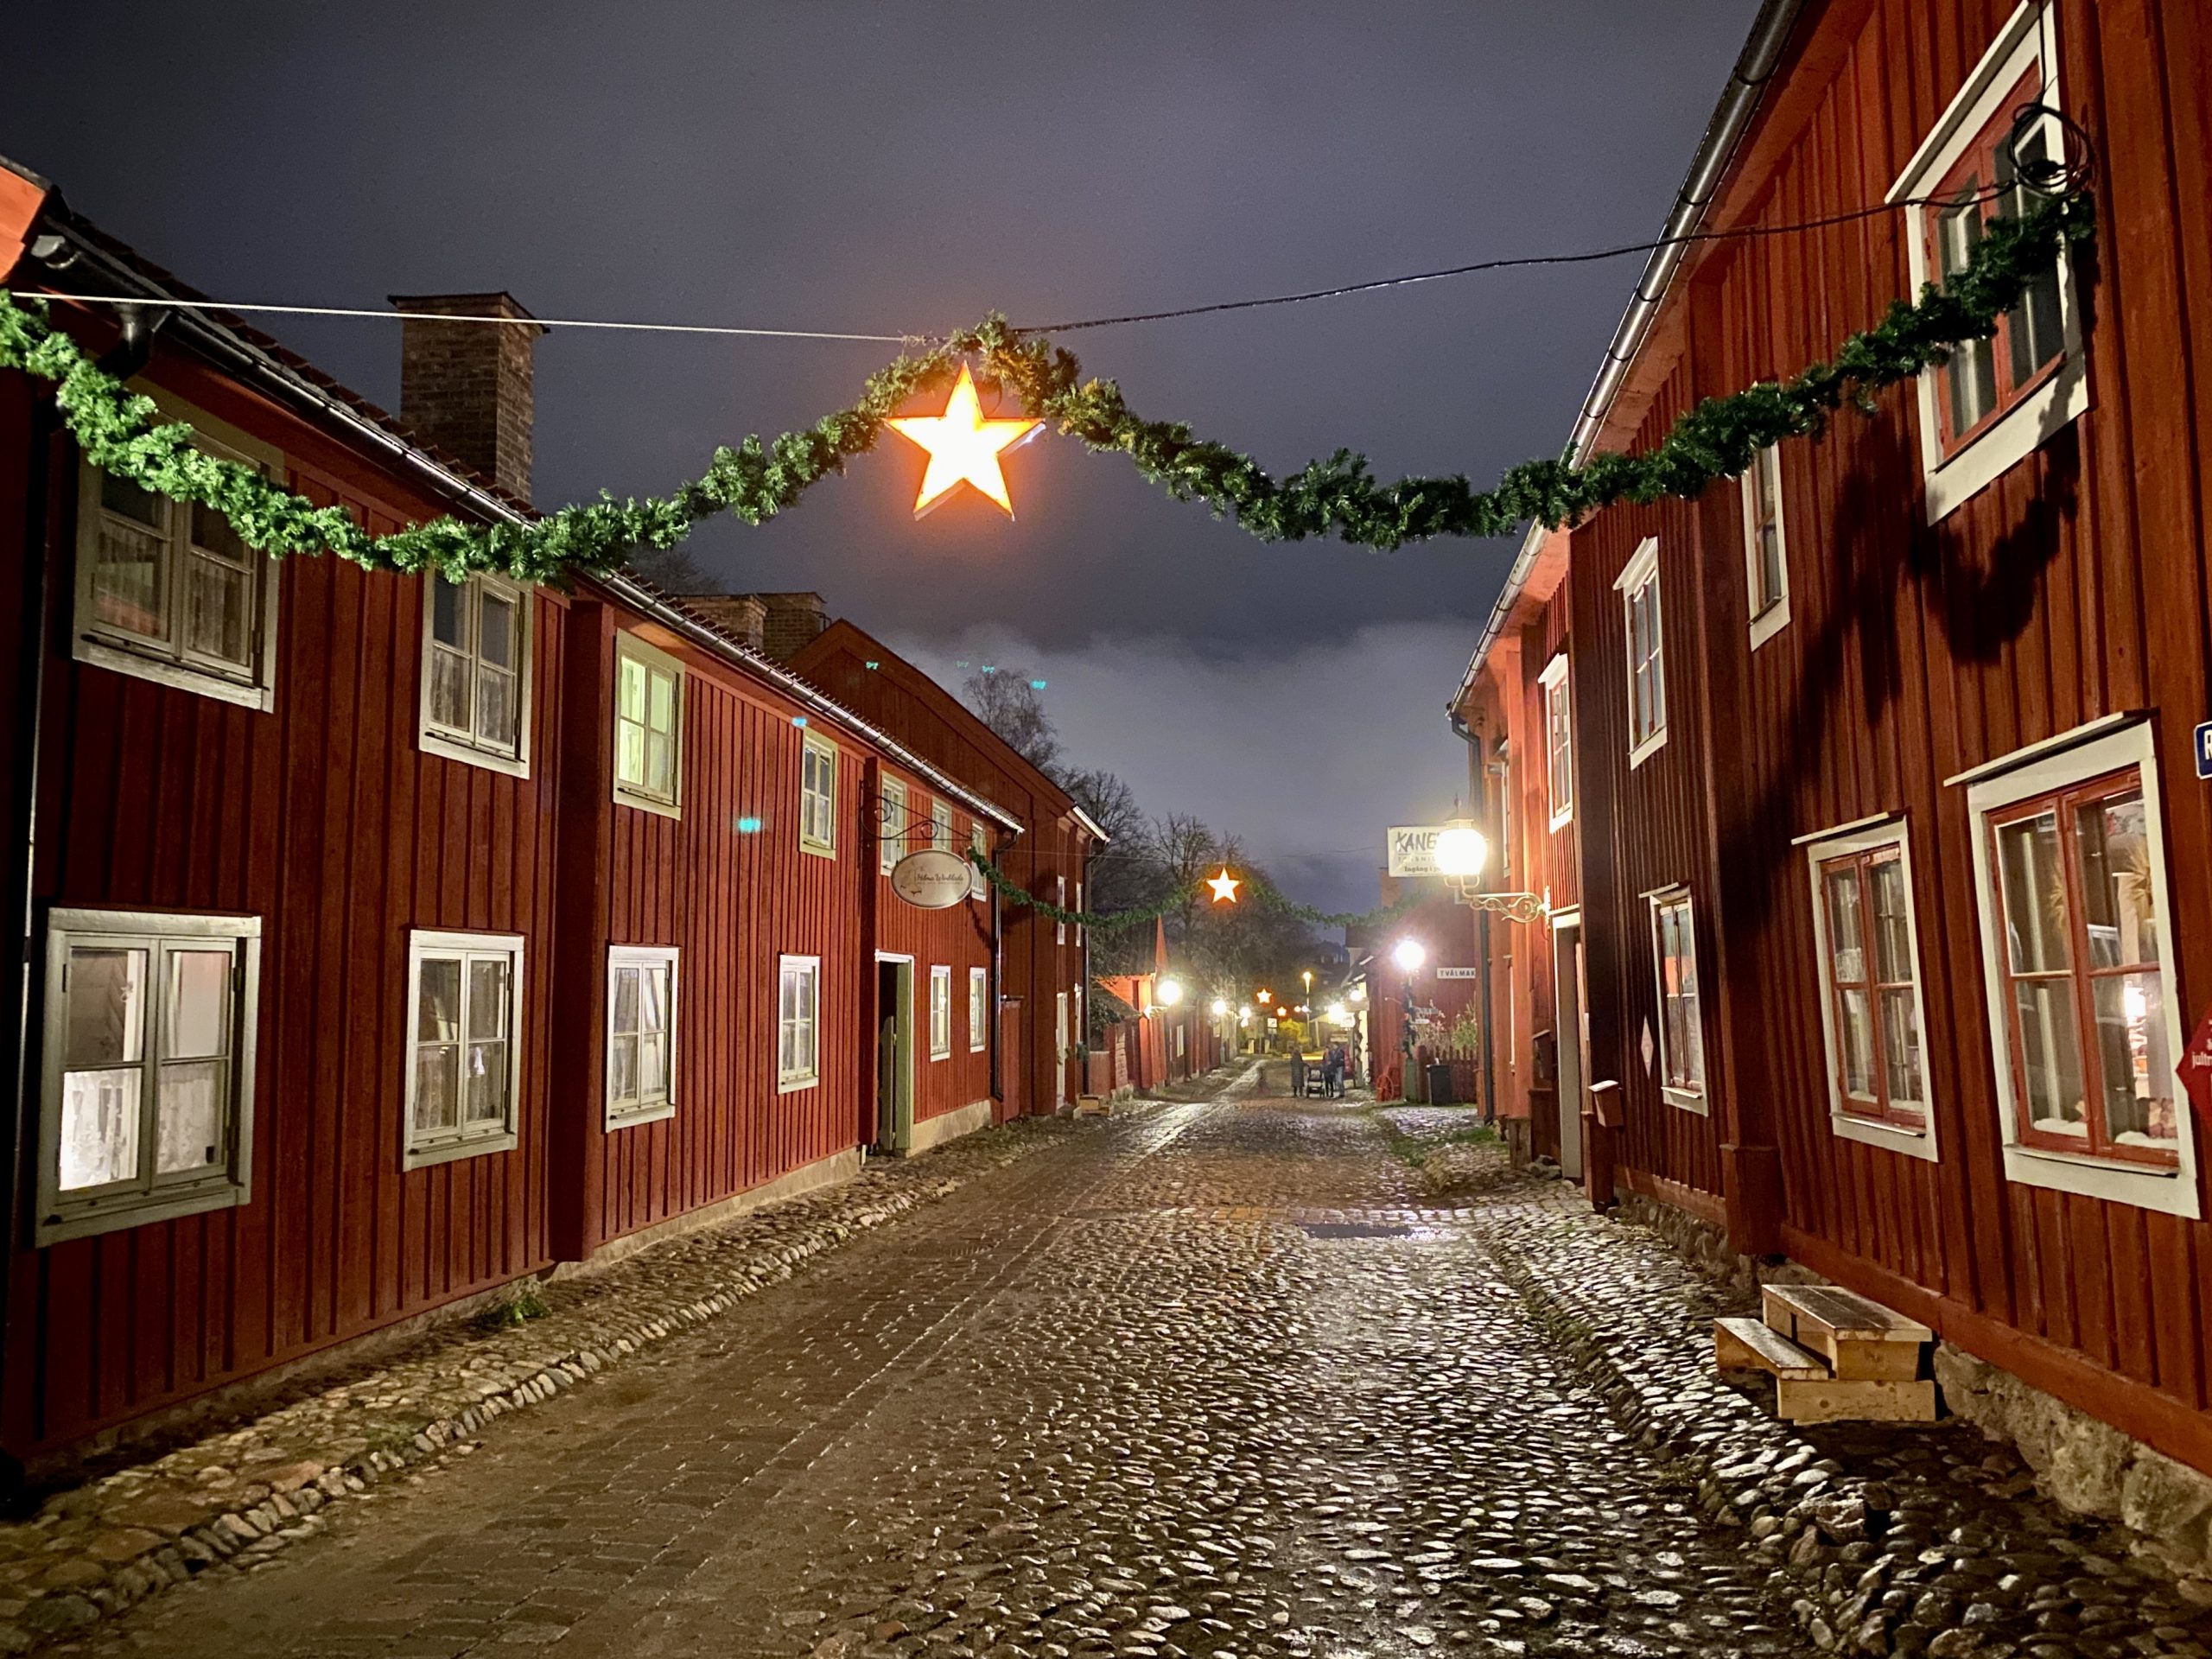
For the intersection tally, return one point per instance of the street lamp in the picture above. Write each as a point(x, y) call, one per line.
point(1461, 850)
point(1220, 1007)
point(1170, 992)
point(1408, 955)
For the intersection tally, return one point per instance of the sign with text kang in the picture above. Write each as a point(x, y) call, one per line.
point(1413, 849)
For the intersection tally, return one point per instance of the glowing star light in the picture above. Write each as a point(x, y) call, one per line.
point(1224, 887)
point(963, 447)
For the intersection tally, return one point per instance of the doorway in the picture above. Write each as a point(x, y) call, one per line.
point(895, 1055)
point(1570, 1032)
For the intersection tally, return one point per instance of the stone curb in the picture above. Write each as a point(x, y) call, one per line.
point(96, 1549)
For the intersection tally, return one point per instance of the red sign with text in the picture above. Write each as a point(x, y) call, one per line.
point(2195, 1068)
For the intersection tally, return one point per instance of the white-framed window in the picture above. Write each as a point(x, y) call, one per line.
point(1060, 899)
point(2085, 1015)
point(1766, 547)
point(641, 993)
point(1078, 911)
point(798, 1022)
point(648, 727)
point(979, 1009)
point(941, 825)
point(165, 590)
point(1873, 1017)
point(475, 691)
point(464, 1056)
point(817, 796)
point(1558, 741)
point(891, 843)
point(979, 886)
point(146, 1097)
point(1682, 1025)
point(940, 1012)
point(1638, 584)
point(1995, 401)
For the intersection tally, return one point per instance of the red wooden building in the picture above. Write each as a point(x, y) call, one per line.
point(387, 940)
point(1865, 789)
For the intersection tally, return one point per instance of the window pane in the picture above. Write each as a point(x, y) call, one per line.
point(437, 1005)
point(2032, 328)
point(652, 1067)
point(99, 1127)
point(2137, 1068)
point(488, 997)
point(1846, 932)
point(652, 1006)
point(1857, 1035)
point(449, 687)
point(215, 610)
point(189, 1126)
point(630, 694)
point(496, 629)
point(198, 1013)
point(662, 716)
point(496, 707)
point(622, 1069)
point(2120, 917)
point(121, 496)
point(625, 998)
point(488, 1082)
point(437, 1086)
point(2050, 1057)
point(105, 1020)
point(630, 753)
point(2034, 894)
point(211, 532)
point(660, 763)
point(1892, 931)
point(1901, 1049)
point(448, 613)
point(128, 592)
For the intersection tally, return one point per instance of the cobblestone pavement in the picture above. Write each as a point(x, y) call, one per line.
point(1211, 1380)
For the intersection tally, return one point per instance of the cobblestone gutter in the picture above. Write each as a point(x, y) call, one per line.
point(241, 1495)
point(1893, 1540)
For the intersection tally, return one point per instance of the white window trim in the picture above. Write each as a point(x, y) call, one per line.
point(640, 956)
point(1642, 568)
point(941, 824)
point(453, 746)
point(892, 825)
point(1844, 842)
point(1689, 1099)
point(1553, 680)
point(2174, 1192)
point(1060, 901)
point(1773, 619)
point(979, 1009)
point(940, 1011)
point(979, 886)
point(826, 749)
point(2028, 39)
point(643, 651)
point(115, 650)
point(452, 1144)
point(788, 1083)
point(227, 1187)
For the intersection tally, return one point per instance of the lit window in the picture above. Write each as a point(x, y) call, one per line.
point(1766, 564)
point(464, 1063)
point(892, 846)
point(1060, 899)
point(940, 1012)
point(798, 1000)
point(1647, 679)
point(148, 1091)
point(475, 696)
point(1870, 979)
point(1681, 1030)
point(1558, 741)
point(641, 1034)
point(648, 726)
point(817, 796)
point(978, 885)
point(941, 825)
point(979, 1007)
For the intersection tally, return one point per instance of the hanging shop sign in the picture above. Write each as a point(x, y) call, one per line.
point(931, 879)
point(2195, 1068)
point(1412, 847)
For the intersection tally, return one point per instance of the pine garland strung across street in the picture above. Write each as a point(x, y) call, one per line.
point(121, 432)
point(1118, 921)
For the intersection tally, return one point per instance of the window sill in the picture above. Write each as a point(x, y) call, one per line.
point(1954, 479)
point(1892, 1137)
point(659, 1113)
point(1770, 622)
point(84, 1224)
point(977, 1048)
point(452, 748)
point(2169, 1192)
point(796, 1085)
point(648, 803)
point(817, 848)
point(447, 1151)
point(1561, 820)
point(176, 676)
point(936, 1056)
point(1689, 1099)
point(1650, 746)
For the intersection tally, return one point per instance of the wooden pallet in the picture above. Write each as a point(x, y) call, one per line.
point(1832, 1354)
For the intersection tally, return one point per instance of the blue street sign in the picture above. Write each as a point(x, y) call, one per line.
point(2204, 750)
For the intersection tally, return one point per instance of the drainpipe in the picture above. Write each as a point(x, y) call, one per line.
point(1478, 781)
point(998, 979)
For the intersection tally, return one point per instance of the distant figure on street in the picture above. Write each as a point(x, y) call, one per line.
point(1298, 1072)
point(1333, 1070)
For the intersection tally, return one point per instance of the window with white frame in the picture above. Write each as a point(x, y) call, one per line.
point(1078, 911)
point(167, 590)
point(892, 845)
point(1992, 402)
point(1060, 899)
point(147, 1093)
point(464, 1063)
point(979, 1009)
point(1682, 1028)
point(1872, 1014)
point(1638, 584)
point(1558, 741)
point(941, 825)
point(2070, 876)
point(979, 841)
point(641, 1034)
point(648, 727)
point(1766, 555)
point(940, 1012)
point(475, 693)
point(798, 1022)
point(817, 796)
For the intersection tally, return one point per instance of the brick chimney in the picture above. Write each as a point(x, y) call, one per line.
point(466, 387)
point(792, 620)
point(742, 615)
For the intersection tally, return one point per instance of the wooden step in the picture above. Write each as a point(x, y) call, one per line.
point(1743, 1344)
point(1841, 1400)
point(1861, 1340)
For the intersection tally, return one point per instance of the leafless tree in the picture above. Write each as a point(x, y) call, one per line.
point(1009, 705)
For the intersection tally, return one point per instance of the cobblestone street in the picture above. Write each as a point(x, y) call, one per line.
point(1207, 1380)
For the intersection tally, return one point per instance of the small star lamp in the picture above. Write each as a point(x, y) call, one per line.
point(964, 449)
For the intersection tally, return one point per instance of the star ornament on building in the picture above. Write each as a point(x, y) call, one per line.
point(1224, 887)
point(963, 447)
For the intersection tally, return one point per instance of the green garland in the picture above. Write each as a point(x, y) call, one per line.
point(120, 432)
point(1120, 920)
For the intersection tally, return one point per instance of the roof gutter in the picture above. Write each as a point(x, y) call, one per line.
point(1723, 134)
point(251, 362)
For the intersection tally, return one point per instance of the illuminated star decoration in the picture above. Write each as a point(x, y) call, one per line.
point(963, 447)
point(1224, 887)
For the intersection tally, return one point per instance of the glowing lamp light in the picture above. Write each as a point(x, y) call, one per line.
point(1244, 1016)
point(1169, 994)
point(1224, 887)
point(1461, 850)
point(964, 448)
point(1267, 996)
point(1220, 1007)
point(1359, 993)
point(1409, 955)
point(1339, 1013)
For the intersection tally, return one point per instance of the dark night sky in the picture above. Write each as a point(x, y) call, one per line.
point(882, 167)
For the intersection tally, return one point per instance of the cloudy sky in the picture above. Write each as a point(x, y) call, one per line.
point(869, 166)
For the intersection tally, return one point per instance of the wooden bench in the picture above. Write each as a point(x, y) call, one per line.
point(1833, 1355)
point(1740, 1344)
point(1862, 1341)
